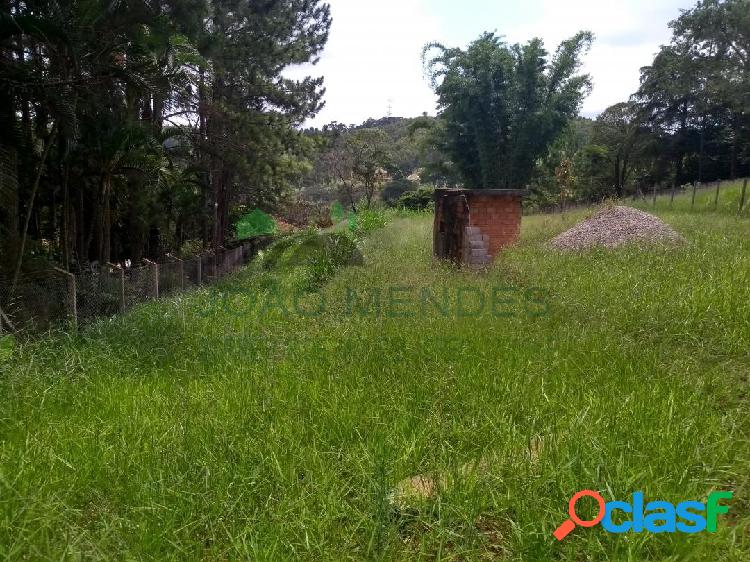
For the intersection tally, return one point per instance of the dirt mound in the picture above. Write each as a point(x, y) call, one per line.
point(614, 227)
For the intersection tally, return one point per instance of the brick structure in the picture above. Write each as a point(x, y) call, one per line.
point(473, 225)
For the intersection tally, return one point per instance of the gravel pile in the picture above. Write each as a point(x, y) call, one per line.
point(614, 227)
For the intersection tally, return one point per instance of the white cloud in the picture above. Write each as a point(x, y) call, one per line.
point(372, 59)
point(627, 36)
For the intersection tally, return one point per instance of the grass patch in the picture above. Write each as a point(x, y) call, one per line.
point(218, 426)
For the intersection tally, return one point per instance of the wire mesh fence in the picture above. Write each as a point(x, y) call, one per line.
point(721, 195)
point(34, 301)
point(38, 301)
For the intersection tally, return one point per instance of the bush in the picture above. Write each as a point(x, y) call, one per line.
point(394, 189)
point(315, 257)
point(254, 224)
point(190, 249)
point(418, 200)
point(366, 221)
point(305, 213)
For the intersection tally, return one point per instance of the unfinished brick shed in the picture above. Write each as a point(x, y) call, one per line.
point(473, 225)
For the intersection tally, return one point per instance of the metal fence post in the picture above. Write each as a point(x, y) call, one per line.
point(122, 289)
point(72, 299)
point(654, 205)
point(181, 266)
point(155, 269)
point(200, 270)
point(122, 284)
point(671, 201)
point(742, 197)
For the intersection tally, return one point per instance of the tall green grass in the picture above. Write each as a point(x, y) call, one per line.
point(728, 202)
point(243, 422)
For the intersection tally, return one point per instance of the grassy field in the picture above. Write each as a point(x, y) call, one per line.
point(242, 422)
point(728, 202)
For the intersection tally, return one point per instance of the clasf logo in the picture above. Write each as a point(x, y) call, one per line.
point(654, 517)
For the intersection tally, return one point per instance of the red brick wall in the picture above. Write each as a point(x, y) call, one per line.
point(497, 217)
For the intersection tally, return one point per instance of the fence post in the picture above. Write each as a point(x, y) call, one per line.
point(122, 284)
point(200, 269)
point(654, 205)
point(155, 269)
point(716, 199)
point(182, 273)
point(692, 203)
point(671, 201)
point(72, 302)
point(742, 197)
point(122, 289)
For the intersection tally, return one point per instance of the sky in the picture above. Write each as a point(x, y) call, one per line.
point(372, 62)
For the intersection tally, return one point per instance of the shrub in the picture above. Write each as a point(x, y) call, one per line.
point(255, 224)
point(305, 213)
point(418, 200)
point(394, 189)
point(366, 221)
point(315, 257)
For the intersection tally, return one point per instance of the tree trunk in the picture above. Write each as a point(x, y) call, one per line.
point(220, 174)
point(618, 185)
point(30, 210)
point(158, 112)
point(735, 142)
point(104, 221)
point(65, 237)
point(701, 152)
point(8, 178)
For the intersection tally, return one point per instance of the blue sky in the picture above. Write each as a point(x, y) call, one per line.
point(372, 60)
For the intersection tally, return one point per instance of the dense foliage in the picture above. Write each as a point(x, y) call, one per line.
point(503, 105)
point(129, 128)
point(379, 159)
point(688, 122)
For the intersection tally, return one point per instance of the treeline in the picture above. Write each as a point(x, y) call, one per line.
point(132, 128)
point(688, 122)
point(376, 161)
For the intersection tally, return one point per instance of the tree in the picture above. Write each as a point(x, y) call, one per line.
point(503, 105)
point(357, 161)
point(719, 33)
point(370, 157)
point(132, 127)
point(695, 94)
point(619, 131)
